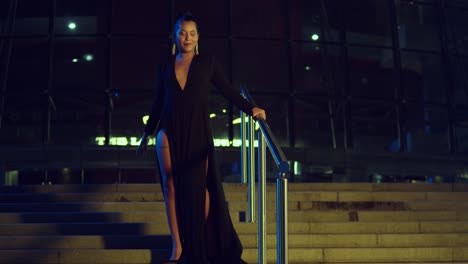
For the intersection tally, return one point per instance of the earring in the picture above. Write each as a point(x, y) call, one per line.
point(196, 49)
point(173, 49)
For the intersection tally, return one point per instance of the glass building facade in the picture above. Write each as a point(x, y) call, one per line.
point(374, 76)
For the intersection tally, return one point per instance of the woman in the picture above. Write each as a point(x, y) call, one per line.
point(199, 221)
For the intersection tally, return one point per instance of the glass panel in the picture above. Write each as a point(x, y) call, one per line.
point(79, 87)
point(130, 108)
point(458, 31)
point(81, 17)
point(260, 71)
point(28, 69)
point(313, 124)
point(368, 22)
point(458, 3)
point(428, 129)
point(32, 17)
point(258, 19)
point(307, 16)
point(460, 79)
point(423, 78)
point(4, 7)
point(24, 120)
point(418, 26)
point(135, 62)
point(139, 175)
point(371, 72)
point(31, 176)
point(374, 126)
point(79, 118)
point(64, 176)
point(412, 2)
point(219, 117)
point(147, 17)
point(461, 134)
point(276, 108)
point(310, 68)
point(210, 23)
point(219, 48)
point(80, 65)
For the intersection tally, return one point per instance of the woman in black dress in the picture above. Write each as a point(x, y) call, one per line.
point(199, 221)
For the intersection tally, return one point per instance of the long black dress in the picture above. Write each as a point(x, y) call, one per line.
point(183, 114)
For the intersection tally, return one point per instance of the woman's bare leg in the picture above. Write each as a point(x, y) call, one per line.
point(163, 152)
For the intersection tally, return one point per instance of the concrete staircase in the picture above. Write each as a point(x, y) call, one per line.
point(328, 223)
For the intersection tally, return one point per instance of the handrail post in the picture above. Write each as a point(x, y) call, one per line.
point(262, 233)
point(251, 170)
point(243, 138)
point(282, 219)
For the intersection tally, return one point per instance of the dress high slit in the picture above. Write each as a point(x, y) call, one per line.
point(184, 117)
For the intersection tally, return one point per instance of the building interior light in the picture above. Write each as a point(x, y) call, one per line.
point(72, 25)
point(88, 57)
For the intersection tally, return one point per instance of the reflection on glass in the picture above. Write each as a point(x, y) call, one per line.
point(211, 23)
point(313, 125)
point(261, 65)
point(368, 22)
point(423, 77)
point(258, 19)
point(459, 76)
point(371, 72)
point(310, 18)
point(80, 65)
point(458, 31)
point(4, 7)
point(81, 17)
point(374, 126)
point(142, 17)
point(129, 109)
point(32, 17)
point(28, 69)
point(23, 120)
point(135, 62)
point(311, 67)
point(427, 129)
point(418, 26)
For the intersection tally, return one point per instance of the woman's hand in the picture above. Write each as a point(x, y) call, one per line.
point(143, 147)
point(258, 113)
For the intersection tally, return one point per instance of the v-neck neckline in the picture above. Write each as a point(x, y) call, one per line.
point(188, 73)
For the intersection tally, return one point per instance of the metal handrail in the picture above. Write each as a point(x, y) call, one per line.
point(281, 186)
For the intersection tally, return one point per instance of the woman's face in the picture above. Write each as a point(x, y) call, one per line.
point(186, 36)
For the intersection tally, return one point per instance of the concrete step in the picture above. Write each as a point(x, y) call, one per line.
point(296, 255)
point(84, 217)
point(85, 242)
point(460, 205)
point(137, 228)
point(144, 213)
point(121, 256)
point(293, 195)
point(248, 241)
point(364, 187)
point(141, 228)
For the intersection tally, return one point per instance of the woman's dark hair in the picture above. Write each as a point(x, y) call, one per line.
point(187, 16)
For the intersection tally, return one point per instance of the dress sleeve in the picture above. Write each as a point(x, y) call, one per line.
point(220, 81)
point(158, 102)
